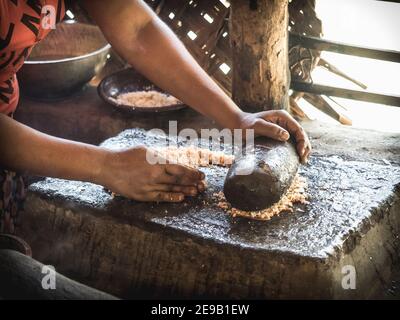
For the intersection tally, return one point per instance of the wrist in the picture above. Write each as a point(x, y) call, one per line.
point(104, 160)
point(113, 165)
point(233, 120)
point(241, 120)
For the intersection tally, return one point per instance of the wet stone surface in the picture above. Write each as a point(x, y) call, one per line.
point(343, 193)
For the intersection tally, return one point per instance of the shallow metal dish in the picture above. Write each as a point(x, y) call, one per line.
point(67, 59)
point(129, 80)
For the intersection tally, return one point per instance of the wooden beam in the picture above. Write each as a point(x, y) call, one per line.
point(338, 47)
point(391, 100)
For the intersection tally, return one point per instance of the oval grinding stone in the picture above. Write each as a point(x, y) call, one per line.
point(260, 176)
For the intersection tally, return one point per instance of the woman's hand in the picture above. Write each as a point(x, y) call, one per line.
point(278, 125)
point(128, 173)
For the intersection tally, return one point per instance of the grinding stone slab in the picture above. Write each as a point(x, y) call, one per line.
point(343, 196)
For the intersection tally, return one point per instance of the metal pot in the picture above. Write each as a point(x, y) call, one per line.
point(64, 62)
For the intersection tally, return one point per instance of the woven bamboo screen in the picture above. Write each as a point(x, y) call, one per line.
point(203, 28)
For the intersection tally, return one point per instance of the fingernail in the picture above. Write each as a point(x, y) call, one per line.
point(285, 135)
point(201, 187)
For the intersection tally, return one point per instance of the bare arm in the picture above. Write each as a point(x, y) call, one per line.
point(26, 150)
point(143, 40)
point(125, 172)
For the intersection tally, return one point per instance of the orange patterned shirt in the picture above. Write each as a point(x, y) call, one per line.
point(23, 23)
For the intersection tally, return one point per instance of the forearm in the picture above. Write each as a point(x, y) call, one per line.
point(26, 150)
point(155, 51)
point(163, 58)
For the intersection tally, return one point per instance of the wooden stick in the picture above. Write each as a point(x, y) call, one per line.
point(296, 109)
point(325, 64)
point(321, 104)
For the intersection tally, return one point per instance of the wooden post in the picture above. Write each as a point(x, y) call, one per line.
point(259, 39)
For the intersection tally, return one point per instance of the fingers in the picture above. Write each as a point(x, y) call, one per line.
point(202, 186)
point(181, 175)
point(271, 130)
point(307, 154)
point(173, 193)
point(169, 193)
point(186, 190)
point(304, 150)
point(286, 121)
point(160, 196)
point(303, 147)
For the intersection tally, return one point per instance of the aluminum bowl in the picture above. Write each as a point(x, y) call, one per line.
point(60, 65)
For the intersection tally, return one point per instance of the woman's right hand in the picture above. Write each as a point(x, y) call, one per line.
point(130, 174)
